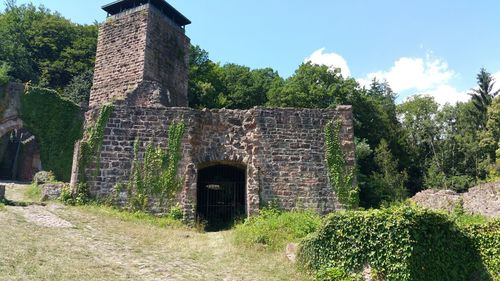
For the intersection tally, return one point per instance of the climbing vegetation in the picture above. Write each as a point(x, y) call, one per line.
point(57, 125)
point(341, 176)
point(403, 243)
point(155, 177)
point(90, 146)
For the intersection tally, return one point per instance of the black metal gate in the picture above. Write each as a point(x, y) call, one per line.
point(220, 196)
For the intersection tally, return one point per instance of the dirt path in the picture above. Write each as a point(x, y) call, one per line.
point(69, 243)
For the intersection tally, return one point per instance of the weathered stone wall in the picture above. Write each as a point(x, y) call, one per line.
point(167, 40)
point(120, 56)
point(281, 149)
point(483, 199)
point(136, 47)
point(9, 108)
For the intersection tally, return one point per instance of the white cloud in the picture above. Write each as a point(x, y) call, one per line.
point(446, 94)
point(496, 76)
point(332, 60)
point(423, 76)
point(415, 73)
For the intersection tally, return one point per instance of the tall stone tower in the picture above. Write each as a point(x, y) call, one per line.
point(142, 55)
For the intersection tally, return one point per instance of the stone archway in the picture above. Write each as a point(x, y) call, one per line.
point(221, 195)
point(19, 155)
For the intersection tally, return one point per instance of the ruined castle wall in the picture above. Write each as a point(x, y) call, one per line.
point(120, 55)
point(282, 150)
point(167, 40)
point(291, 158)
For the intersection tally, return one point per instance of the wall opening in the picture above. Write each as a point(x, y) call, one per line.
point(19, 156)
point(221, 193)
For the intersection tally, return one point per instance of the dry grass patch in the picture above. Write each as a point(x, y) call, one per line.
point(105, 244)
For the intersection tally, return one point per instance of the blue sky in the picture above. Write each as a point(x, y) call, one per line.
point(427, 47)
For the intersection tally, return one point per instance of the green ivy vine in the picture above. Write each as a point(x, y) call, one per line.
point(57, 125)
point(90, 146)
point(156, 175)
point(341, 176)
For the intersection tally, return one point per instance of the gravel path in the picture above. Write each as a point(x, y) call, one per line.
point(41, 216)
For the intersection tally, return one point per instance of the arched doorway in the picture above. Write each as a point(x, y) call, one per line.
point(221, 196)
point(19, 156)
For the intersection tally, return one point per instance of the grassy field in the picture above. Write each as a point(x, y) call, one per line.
point(56, 242)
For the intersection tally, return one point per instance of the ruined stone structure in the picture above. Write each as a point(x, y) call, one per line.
point(19, 150)
point(141, 67)
point(483, 199)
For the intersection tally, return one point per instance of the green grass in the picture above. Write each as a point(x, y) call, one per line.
point(134, 217)
point(33, 193)
point(273, 229)
point(2, 206)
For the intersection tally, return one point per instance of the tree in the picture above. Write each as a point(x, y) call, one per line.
point(44, 47)
point(483, 95)
point(78, 90)
point(419, 133)
point(388, 185)
point(245, 88)
point(204, 84)
point(313, 86)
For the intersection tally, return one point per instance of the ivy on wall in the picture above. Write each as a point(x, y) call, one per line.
point(57, 125)
point(90, 146)
point(341, 176)
point(155, 177)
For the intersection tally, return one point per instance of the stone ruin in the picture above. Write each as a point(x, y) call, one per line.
point(268, 154)
point(483, 199)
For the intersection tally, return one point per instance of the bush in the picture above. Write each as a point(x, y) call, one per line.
point(400, 243)
point(273, 229)
point(43, 177)
point(336, 274)
point(486, 238)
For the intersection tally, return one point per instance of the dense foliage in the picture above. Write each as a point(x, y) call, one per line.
point(45, 48)
point(403, 243)
point(57, 125)
point(273, 229)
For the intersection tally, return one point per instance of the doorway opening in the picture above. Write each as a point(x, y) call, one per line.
point(221, 193)
point(19, 156)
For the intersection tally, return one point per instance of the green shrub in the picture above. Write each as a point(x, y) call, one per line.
point(273, 229)
point(336, 274)
point(57, 125)
point(80, 196)
point(486, 238)
point(400, 243)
